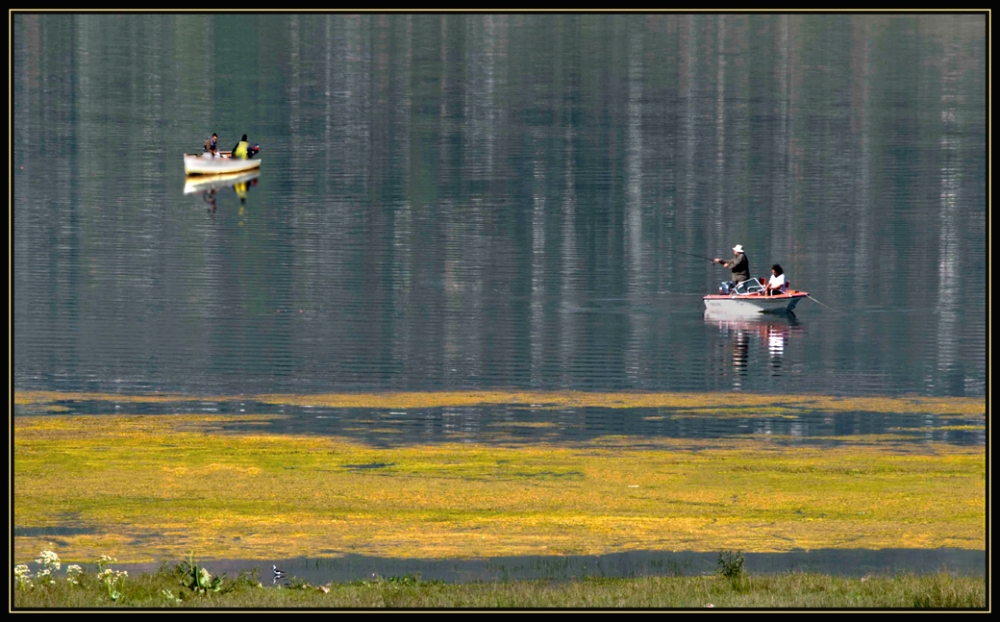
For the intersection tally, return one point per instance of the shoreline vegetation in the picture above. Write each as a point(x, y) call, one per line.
point(190, 585)
point(145, 487)
point(150, 487)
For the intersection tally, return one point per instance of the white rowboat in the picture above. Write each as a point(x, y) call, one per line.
point(206, 164)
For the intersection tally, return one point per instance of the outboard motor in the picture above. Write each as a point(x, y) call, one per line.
point(252, 151)
point(725, 288)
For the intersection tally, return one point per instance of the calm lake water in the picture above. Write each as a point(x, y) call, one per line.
point(505, 202)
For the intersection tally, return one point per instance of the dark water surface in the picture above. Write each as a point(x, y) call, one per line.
point(511, 424)
point(471, 201)
point(507, 202)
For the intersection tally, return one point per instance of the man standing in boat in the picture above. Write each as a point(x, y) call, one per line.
point(241, 148)
point(739, 264)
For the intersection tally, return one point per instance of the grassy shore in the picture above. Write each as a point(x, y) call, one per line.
point(149, 487)
point(174, 588)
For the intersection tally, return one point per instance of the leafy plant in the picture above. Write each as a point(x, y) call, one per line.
point(730, 564)
point(198, 579)
point(407, 579)
point(248, 578)
point(113, 580)
point(295, 583)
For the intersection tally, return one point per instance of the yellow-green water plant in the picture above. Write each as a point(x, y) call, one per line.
point(155, 487)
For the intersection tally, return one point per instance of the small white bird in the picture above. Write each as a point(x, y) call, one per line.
point(278, 574)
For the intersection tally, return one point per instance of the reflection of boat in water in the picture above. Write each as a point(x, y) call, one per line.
point(205, 164)
point(773, 330)
point(748, 299)
point(755, 322)
point(214, 182)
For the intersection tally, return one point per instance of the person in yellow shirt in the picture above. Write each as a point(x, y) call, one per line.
point(240, 150)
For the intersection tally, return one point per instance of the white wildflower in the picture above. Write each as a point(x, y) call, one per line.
point(23, 576)
point(73, 572)
point(49, 559)
point(169, 596)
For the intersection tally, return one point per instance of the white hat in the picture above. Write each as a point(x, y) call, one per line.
point(738, 248)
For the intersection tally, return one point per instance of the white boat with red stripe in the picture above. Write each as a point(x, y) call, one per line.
point(748, 298)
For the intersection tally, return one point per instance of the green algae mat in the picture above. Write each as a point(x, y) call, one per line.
point(149, 487)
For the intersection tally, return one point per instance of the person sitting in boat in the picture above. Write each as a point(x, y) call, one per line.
point(252, 151)
point(241, 149)
point(212, 145)
point(739, 264)
point(777, 284)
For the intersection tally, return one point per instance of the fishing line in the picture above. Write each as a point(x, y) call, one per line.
point(827, 306)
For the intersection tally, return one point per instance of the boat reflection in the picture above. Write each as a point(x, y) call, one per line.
point(773, 330)
point(208, 187)
point(203, 184)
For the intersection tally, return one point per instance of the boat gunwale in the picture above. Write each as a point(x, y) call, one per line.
point(789, 295)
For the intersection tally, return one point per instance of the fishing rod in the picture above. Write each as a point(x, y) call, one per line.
point(690, 255)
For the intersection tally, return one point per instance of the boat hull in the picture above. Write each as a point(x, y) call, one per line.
point(752, 304)
point(223, 164)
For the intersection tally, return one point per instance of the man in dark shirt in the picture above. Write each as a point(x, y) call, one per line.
point(212, 145)
point(739, 264)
